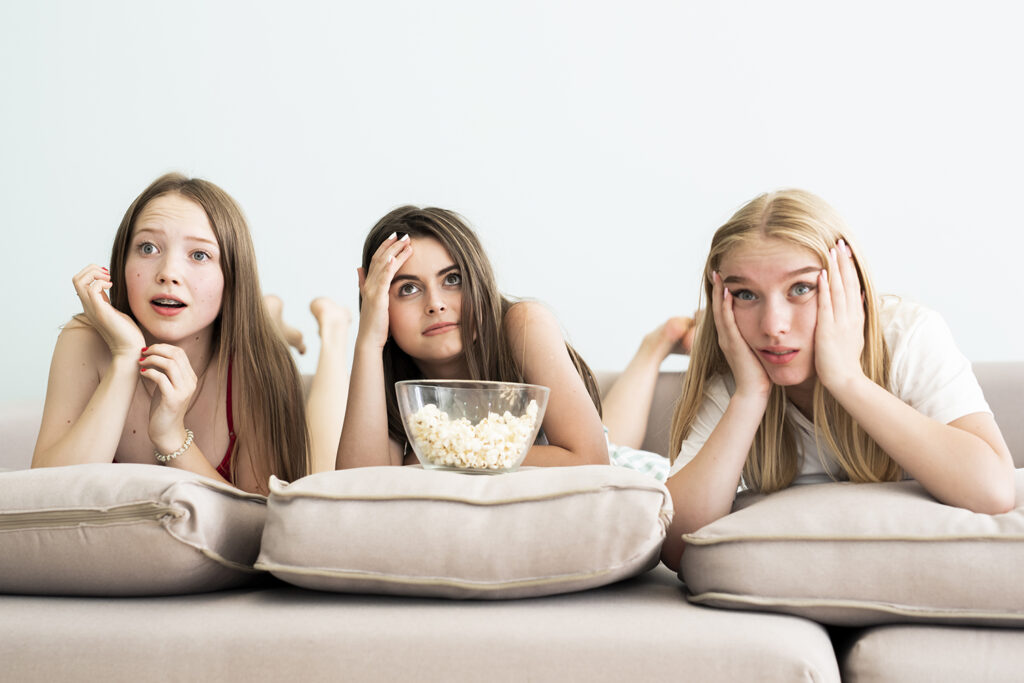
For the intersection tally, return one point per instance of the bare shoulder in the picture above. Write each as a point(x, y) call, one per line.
point(80, 344)
point(530, 317)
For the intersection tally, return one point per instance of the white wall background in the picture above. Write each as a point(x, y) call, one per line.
point(595, 145)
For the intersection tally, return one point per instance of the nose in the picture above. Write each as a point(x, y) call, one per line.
point(776, 318)
point(436, 305)
point(168, 272)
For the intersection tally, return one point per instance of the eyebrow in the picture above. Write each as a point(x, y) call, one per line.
point(413, 278)
point(191, 238)
point(800, 271)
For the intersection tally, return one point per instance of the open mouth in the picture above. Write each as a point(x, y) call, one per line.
point(167, 306)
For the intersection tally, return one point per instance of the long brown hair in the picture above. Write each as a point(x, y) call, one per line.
point(488, 352)
point(274, 422)
point(805, 220)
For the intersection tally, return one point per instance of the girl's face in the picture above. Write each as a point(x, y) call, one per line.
point(172, 272)
point(775, 304)
point(425, 307)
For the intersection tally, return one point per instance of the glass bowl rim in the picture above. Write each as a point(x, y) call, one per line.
point(459, 384)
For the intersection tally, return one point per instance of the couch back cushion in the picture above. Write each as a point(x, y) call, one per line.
point(124, 529)
point(862, 554)
point(411, 531)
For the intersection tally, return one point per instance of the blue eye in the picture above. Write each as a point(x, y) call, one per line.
point(801, 289)
point(200, 256)
point(147, 248)
point(744, 295)
point(453, 279)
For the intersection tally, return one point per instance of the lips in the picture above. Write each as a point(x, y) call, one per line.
point(778, 355)
point(440, 328)
point(167, 305)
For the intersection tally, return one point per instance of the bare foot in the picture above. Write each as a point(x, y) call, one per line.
point(291, 335)
point(332, 318)
point(675, 335)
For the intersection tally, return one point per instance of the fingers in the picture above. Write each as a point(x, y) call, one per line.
point(169, 368)
point(91, 284)
point(388, 258)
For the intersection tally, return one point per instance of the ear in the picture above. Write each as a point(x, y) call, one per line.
point(361, 275)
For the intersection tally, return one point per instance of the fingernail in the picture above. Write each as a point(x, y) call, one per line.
point(725, 293)
point(106, 269)
point(392, 235)
point(144, 348)
point(824, 275)
point(143, 369)
point(832, 253)
point(405, 238)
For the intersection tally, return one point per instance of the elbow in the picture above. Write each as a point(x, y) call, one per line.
point(997, 501)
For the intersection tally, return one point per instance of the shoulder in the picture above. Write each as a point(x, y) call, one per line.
point(911, 328)
point(529, 323)
point(524, 313)
point(80, 339)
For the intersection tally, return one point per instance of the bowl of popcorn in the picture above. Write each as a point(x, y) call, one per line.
point(470, 426)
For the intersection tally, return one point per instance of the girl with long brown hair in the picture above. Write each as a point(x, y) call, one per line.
point(175, 360)
point(430, 308)
point(803, 375)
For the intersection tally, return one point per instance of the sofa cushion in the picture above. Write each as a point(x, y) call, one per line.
point(406, 530)
point(859, 554)
point(123, 529)
point(934, 654)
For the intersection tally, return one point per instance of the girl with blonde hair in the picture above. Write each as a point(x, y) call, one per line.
point(175, 360)
point(430, 309)
point(803, 374)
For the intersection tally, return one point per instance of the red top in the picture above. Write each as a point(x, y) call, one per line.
point(224, 468)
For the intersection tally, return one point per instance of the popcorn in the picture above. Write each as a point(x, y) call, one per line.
point(495, 443)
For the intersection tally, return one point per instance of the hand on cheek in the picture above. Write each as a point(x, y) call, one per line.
point(747, 370)
point(839, 334)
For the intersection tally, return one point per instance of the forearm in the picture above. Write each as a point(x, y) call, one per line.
point(95, 435)
point(325, 406)
point(557, 456)
point(957, 467)
point(192, 460)
point(627, 405)
point(364, 438)
point(705, 488)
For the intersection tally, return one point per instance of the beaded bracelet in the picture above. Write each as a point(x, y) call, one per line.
point(184, 447)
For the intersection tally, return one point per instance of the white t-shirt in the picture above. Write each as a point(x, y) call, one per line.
point(927, 372)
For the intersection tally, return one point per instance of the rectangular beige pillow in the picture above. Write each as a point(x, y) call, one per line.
point(410, 531)
point(861, 554)
point(122, 529)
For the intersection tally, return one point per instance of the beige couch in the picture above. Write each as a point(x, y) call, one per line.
point(639, 629)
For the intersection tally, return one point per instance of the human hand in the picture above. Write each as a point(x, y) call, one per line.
point(375, 286)
point(169, 371)
point(751, 377)
point(118, 330)
point(839, 334)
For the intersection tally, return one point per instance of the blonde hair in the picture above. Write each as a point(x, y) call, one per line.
point(485, 345)
point(273, 425)
point(802, 219)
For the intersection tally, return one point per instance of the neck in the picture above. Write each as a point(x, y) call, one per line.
point(802, 396)
point(455, 368)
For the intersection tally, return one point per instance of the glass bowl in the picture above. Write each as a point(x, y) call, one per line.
point(470, 426)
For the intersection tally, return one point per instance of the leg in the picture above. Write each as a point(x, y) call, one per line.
point(328, 394)
point(291, 336)
point(628, 403)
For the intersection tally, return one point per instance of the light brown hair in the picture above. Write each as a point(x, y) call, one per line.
point(273, 424)
point(805, 220)
point(488, 353)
